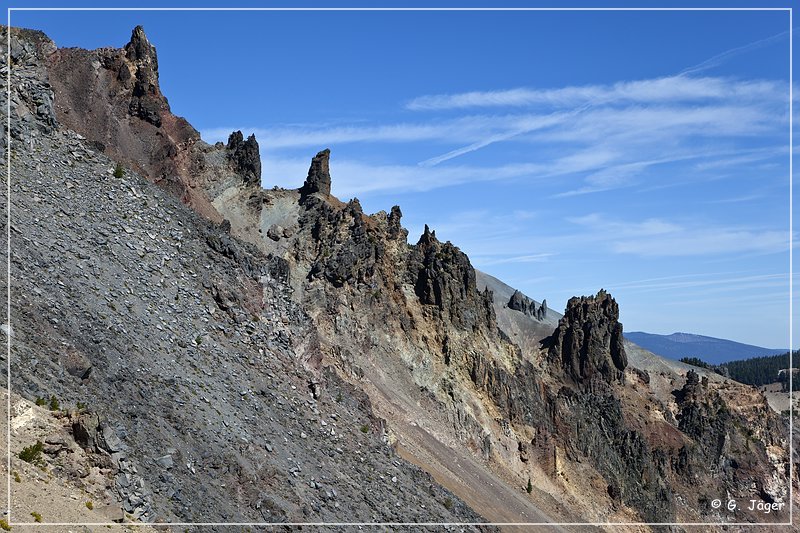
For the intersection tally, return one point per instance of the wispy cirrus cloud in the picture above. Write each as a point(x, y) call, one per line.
point(353, 177)
point(679, 88)
point(529, 258)
point(725, 56)
point(461, 129)
point(642, 126)
point(655, 237)
point(608, 135)
point(303, 135)
point(608, 150)
point(712, 283)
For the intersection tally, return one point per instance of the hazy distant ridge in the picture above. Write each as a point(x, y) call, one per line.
point(709, 349)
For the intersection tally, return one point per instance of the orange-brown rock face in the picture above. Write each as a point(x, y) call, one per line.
point(112, 97)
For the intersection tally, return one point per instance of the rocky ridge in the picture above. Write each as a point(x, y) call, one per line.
point(203, 395)
point(523, 304)
point(407, 325)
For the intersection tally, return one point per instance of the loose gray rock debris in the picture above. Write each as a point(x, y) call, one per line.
point(182, 341)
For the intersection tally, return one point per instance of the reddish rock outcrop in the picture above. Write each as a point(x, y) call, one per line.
point(112, 97)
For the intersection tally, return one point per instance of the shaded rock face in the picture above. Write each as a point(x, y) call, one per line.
point(592, 426)
point(586, 424)
point(319, 175)
point(396, 230)
point(723, 443)
point(703, 415)
point(541, 313)
point(519, 302)
point(523, 304)
point(520, 396)
point(354, 261)
point(588, 340)
point(442, 276)
point(351, 248)
point(31, 107)
point(147, 102)
point(346, 246)
point(245, 157)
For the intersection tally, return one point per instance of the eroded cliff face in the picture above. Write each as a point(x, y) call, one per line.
point(112, 97)
point(564, 411)
point(408, 322)
point(184, 363)
point(407, 325)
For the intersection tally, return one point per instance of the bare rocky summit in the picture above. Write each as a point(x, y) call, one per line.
point(280, 355)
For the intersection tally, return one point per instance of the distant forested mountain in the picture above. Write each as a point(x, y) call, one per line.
point(757, 371)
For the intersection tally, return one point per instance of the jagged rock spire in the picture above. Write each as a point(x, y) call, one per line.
point(395, 228)
point(319, 175)
point(427, 237)
point(523, 304)
point(245, 157)
point(139, 48)
point(540, 313)
point(146, 102)
point(518, 302)
point(588, 340)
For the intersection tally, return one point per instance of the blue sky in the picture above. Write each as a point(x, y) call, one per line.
point(646, 153)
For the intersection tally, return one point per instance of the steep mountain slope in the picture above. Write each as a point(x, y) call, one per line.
point(709, 349)
point(204, 398)
point(305, 297)
point(518, 325)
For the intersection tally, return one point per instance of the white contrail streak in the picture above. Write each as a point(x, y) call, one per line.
point(724, 56)
point(500, 137)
